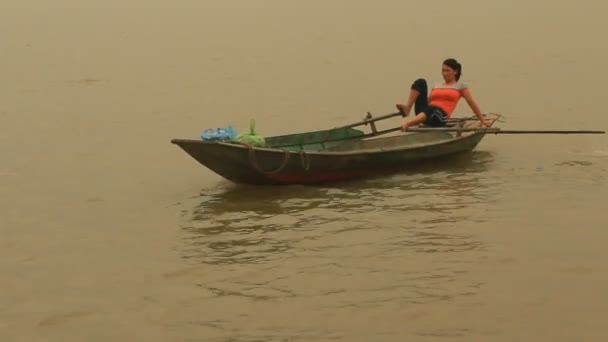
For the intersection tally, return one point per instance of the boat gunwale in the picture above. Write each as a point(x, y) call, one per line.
point(335, 153)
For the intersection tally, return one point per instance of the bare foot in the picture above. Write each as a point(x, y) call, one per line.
point(401, 108)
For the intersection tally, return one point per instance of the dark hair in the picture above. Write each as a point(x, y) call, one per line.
point(452, 63)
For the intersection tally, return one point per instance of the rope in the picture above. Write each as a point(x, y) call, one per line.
point(305, 160)
point(254, 162)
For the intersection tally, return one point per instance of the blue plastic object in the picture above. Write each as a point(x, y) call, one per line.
point(222, 134)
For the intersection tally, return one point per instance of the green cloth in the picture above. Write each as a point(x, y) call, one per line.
point(251, 138)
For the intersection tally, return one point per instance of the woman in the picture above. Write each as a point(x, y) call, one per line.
point(443, 99)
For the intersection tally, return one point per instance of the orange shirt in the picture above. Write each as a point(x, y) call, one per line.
point(446, 96)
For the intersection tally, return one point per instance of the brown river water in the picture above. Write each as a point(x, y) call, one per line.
point(108, 232)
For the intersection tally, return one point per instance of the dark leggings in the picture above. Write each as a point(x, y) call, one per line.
point(422, 102)
point(435, 116)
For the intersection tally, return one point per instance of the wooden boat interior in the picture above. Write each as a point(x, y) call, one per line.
point(398, 140)
point(347, 138)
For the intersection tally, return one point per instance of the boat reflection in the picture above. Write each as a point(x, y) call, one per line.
point(246, 224)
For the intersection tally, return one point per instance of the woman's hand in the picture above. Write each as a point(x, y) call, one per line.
point(467, 96)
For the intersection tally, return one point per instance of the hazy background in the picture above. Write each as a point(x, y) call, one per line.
point(109, 232)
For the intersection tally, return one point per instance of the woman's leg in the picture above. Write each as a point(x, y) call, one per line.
point(420, 118)
point(417, 97)
point(421, 102)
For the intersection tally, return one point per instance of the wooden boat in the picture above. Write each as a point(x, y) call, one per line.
point(335, 154)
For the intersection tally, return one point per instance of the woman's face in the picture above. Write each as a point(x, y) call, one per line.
point(448, 73)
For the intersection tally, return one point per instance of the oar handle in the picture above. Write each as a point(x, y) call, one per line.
point(368, 119)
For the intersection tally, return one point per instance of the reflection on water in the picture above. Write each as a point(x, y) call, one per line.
point(386, 242)
point(378, 244)
point(248, 224)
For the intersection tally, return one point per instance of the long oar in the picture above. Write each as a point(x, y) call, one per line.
point(488, 130)
point(491, 130)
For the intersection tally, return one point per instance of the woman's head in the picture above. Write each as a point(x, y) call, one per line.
point(451, 70)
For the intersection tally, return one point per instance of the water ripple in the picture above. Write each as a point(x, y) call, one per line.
point(392, 242)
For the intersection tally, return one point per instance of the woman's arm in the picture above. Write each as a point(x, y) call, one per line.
point(467, 96)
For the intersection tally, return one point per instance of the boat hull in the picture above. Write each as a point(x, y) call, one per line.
point(248, 165)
